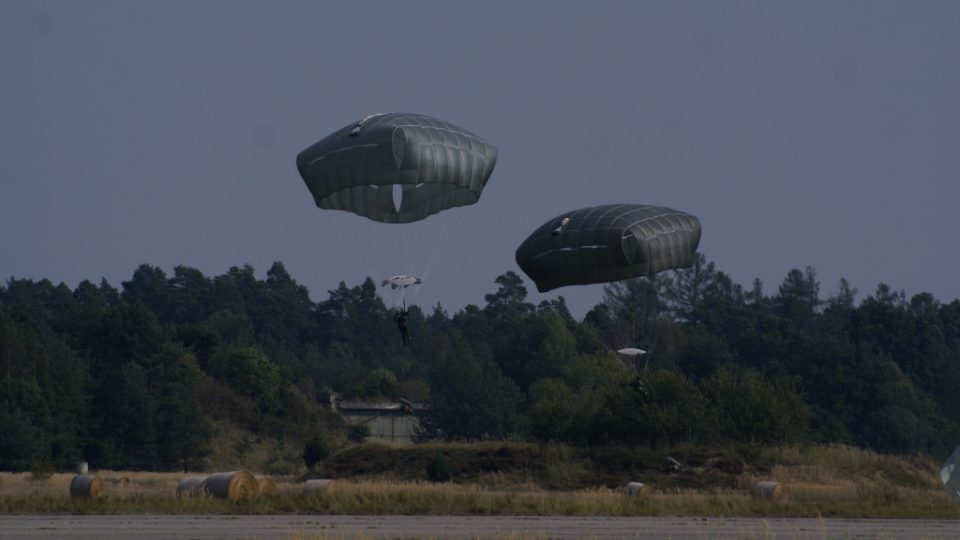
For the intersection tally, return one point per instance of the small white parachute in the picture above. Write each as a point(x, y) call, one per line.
point(950, 474)
point(400, 282)
point(631, 358)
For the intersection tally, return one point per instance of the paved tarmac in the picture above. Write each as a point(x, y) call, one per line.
point(324, 527)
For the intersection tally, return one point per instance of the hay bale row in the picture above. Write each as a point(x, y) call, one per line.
point(192, 486)
point(236, 486)
point(86, 485)
point(638, 489)
point(774, 491)
point(316, 486)
point(266, 484)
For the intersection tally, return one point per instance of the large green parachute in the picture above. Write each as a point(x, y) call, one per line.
point(608, 243)
point(436, 165)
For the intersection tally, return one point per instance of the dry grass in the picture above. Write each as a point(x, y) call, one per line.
point(824, 481)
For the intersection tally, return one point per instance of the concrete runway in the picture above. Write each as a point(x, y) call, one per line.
point(323, 527)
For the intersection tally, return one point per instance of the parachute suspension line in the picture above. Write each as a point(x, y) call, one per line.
point(441, 247)
point(412, 268)
point(385, 263)
point(635, 316)
point(408, 245)
point(381, 250)
point(429, 263)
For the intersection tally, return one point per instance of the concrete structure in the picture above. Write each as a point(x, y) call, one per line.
point(394, 421)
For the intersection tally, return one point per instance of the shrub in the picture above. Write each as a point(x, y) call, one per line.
point(439, 470)
point(41, 471)
point(315, 451)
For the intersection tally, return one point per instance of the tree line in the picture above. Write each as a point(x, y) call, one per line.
point(136, 377)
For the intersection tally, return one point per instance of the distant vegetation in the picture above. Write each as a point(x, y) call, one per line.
point(177, 372)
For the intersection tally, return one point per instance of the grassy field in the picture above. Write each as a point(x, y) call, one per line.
point(832, 481)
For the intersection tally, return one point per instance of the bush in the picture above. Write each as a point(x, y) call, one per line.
point(41, 471)
point(315, 451)
point(439, 470)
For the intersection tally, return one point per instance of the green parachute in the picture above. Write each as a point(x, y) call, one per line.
point(434, 165)
point(608, 243)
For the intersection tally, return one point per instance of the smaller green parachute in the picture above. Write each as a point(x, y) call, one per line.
point(608, 243)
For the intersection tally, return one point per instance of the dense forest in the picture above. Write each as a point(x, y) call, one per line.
point(139, 377)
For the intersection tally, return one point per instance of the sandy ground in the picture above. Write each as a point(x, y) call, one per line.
point(321, 527)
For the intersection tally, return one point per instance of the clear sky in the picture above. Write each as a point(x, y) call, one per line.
point(817, 133)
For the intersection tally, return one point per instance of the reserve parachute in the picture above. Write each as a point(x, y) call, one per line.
point(434, 165)
point(401, 281)
point(608, 243)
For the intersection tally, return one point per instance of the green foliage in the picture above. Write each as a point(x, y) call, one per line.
point(132, 378)
point(440, 470)
point(381, 383)
point(752, 409)
point(472, 399)
point(41, 471)
point(315, 451)
point(250, 371)
point(25, 423)
point(664, 408)
point(551, 414)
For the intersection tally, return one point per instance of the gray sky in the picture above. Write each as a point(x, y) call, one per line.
point(800, 133)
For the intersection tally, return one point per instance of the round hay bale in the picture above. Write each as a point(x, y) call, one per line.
point(86, 485)
point(267, 485)
point(83, 467)
point(774, 491)
point(316, 486)
point(638, 489)
point(234, 485)
point(191, 486)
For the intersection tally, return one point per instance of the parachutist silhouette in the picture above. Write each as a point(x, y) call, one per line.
point(638, 385)
point(401, 318)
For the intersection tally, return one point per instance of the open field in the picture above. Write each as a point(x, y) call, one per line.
point(520, 479)
point(154, 493)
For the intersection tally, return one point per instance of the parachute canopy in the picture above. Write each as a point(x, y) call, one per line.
point(950, 474)
point(436, 165)
point(608, 243)
point(401, 282)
